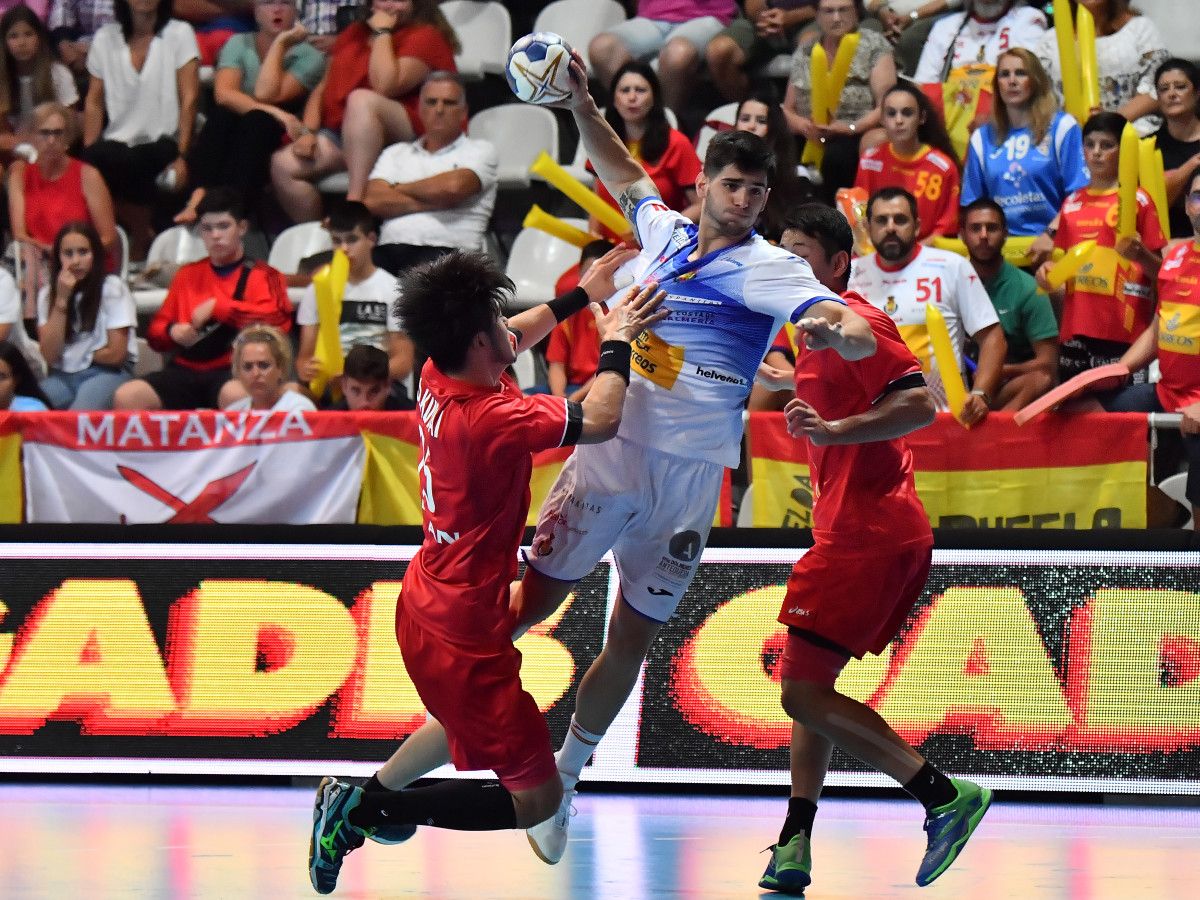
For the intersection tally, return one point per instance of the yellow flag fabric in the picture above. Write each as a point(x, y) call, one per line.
point(11, 483)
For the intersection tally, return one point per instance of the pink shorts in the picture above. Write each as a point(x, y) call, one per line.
point(475, 692)
point(854, 600)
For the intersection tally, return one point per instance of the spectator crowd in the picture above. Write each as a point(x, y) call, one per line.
point(939, 126)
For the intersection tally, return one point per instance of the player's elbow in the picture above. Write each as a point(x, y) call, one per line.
point(922, 408)
point(598, 429)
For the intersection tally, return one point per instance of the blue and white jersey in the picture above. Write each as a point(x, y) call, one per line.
point(691, 374)
point(1029, 181)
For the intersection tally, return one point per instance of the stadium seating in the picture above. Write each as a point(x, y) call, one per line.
point(536, 262)
point(578, 21)
point(723, 115)
point(172, 248)
point(485, 32)
point(519, 132)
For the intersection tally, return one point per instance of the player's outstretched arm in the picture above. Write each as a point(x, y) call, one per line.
point(619, 326)
point(621, 173)
point(898, 413)
point(596, 286)
point(836, 327)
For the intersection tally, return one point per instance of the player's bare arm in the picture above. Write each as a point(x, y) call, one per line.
point(834, 326)
point(622, 175)
point(602, 407)
point(898, 413)
point(598, 284)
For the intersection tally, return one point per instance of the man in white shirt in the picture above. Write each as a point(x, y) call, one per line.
point(978, 35)
point(903, 276)
point(436, 193)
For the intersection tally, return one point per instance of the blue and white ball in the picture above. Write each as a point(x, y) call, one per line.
point(538, 68)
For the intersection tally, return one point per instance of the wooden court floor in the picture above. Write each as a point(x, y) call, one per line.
point(83, 842)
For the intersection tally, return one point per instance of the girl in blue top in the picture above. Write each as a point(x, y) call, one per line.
point(1030, 156)
point(19, 391)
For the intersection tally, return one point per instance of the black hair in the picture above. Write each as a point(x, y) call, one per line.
point(443, 304)
point(892, 193)
point(786, 188)
point(932, 130)
point(1105, 123)
point(222, 200)
point(1189, 69)
point(351, 214)
point(124, 16)
point(824, 224)
point(747, 151)
point(983, 203)
point(658, 129)
point(365, 363)
point(25, 383)
point(88, 292)
point(594, 250)
point(42, 84)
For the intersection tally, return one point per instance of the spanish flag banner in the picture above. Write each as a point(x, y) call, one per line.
point(1079, 471)
point(964, 100)
point(10, 470)
point(391, 488)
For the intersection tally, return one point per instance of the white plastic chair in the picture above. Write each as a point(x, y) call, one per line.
point(578, 21)
point(725, 115)
point(296, 243)
point(176, 246)
point(1175, 487)
point(519, 132)
point(536, 262)
point(525, 369)
point(745, 516)
point(485, 32)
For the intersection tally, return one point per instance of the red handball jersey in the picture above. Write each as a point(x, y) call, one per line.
point(865, 493)
point(1110, 299)
point(1179, 327)
point(930, 176)
point(474, 467)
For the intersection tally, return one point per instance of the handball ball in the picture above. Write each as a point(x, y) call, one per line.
point(537, 68)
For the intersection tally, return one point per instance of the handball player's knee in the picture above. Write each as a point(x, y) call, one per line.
point(802, 698)
point(539, 803)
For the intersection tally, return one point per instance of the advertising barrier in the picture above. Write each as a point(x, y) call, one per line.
point(1062, 669)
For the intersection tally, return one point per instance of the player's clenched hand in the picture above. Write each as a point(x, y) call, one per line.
point(598, 282)
point(577, 73)
point(820, 333)
point(641, 308)
point(805, 422)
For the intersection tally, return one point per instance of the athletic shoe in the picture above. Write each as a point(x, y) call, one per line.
point(332, 835)
point(790, 868)
point(949, 827)
point(391, 834)
point(549, 839)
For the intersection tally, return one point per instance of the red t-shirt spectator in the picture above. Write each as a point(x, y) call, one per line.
point(575, 344)
point(1179, 328)
point(930, 176)
point(673, 173)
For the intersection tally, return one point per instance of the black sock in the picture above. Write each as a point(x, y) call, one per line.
point(800, 815)
point(460, 805)
point(931, 788)
point(373, 785)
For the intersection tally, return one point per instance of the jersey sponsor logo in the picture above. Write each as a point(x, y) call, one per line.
point(871, 165)
point(685, 545)
point(673, 571)
point(679, 238)
point(656, 360)
point(659, 592)
point(717, 375)
point(1021, 198)
point(698, 301)
point(1179, 328)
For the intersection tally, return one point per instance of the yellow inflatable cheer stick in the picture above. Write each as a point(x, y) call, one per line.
point(1016, 248)
point(330, 286)
point(947, 359)
point(1153, 181)
point(1127, 186)
point(1089, 74)
point(847, 47)
point(540, 219)
point(548, 169)
point(818, 71)
point(1068, 60)
point(1066, 268)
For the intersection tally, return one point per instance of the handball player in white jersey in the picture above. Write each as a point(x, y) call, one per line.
point(650, 494)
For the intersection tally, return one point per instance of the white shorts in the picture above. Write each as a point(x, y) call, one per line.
point(652, 509)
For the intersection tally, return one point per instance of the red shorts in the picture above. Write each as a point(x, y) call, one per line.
point(856, 601)
point(475, 692)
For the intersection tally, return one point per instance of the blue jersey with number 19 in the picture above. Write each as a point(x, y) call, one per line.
point(691, 374)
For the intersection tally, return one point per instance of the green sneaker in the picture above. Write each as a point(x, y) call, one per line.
point(949, 826)
point(790, 868)
point(332, 835)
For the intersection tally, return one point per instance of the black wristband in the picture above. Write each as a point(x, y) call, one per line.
point(568, 304)
point(614, 357)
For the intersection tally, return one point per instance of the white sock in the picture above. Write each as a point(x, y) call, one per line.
point(576, 750)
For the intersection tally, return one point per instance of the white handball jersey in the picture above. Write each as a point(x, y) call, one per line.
point(936, 276)
point(691, 374)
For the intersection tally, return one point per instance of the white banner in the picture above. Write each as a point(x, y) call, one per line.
point(196, 467)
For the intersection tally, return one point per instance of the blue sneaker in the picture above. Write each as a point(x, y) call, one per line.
point(790, 868)
point(949, 826)
point(332, 835)
point(391, 834)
